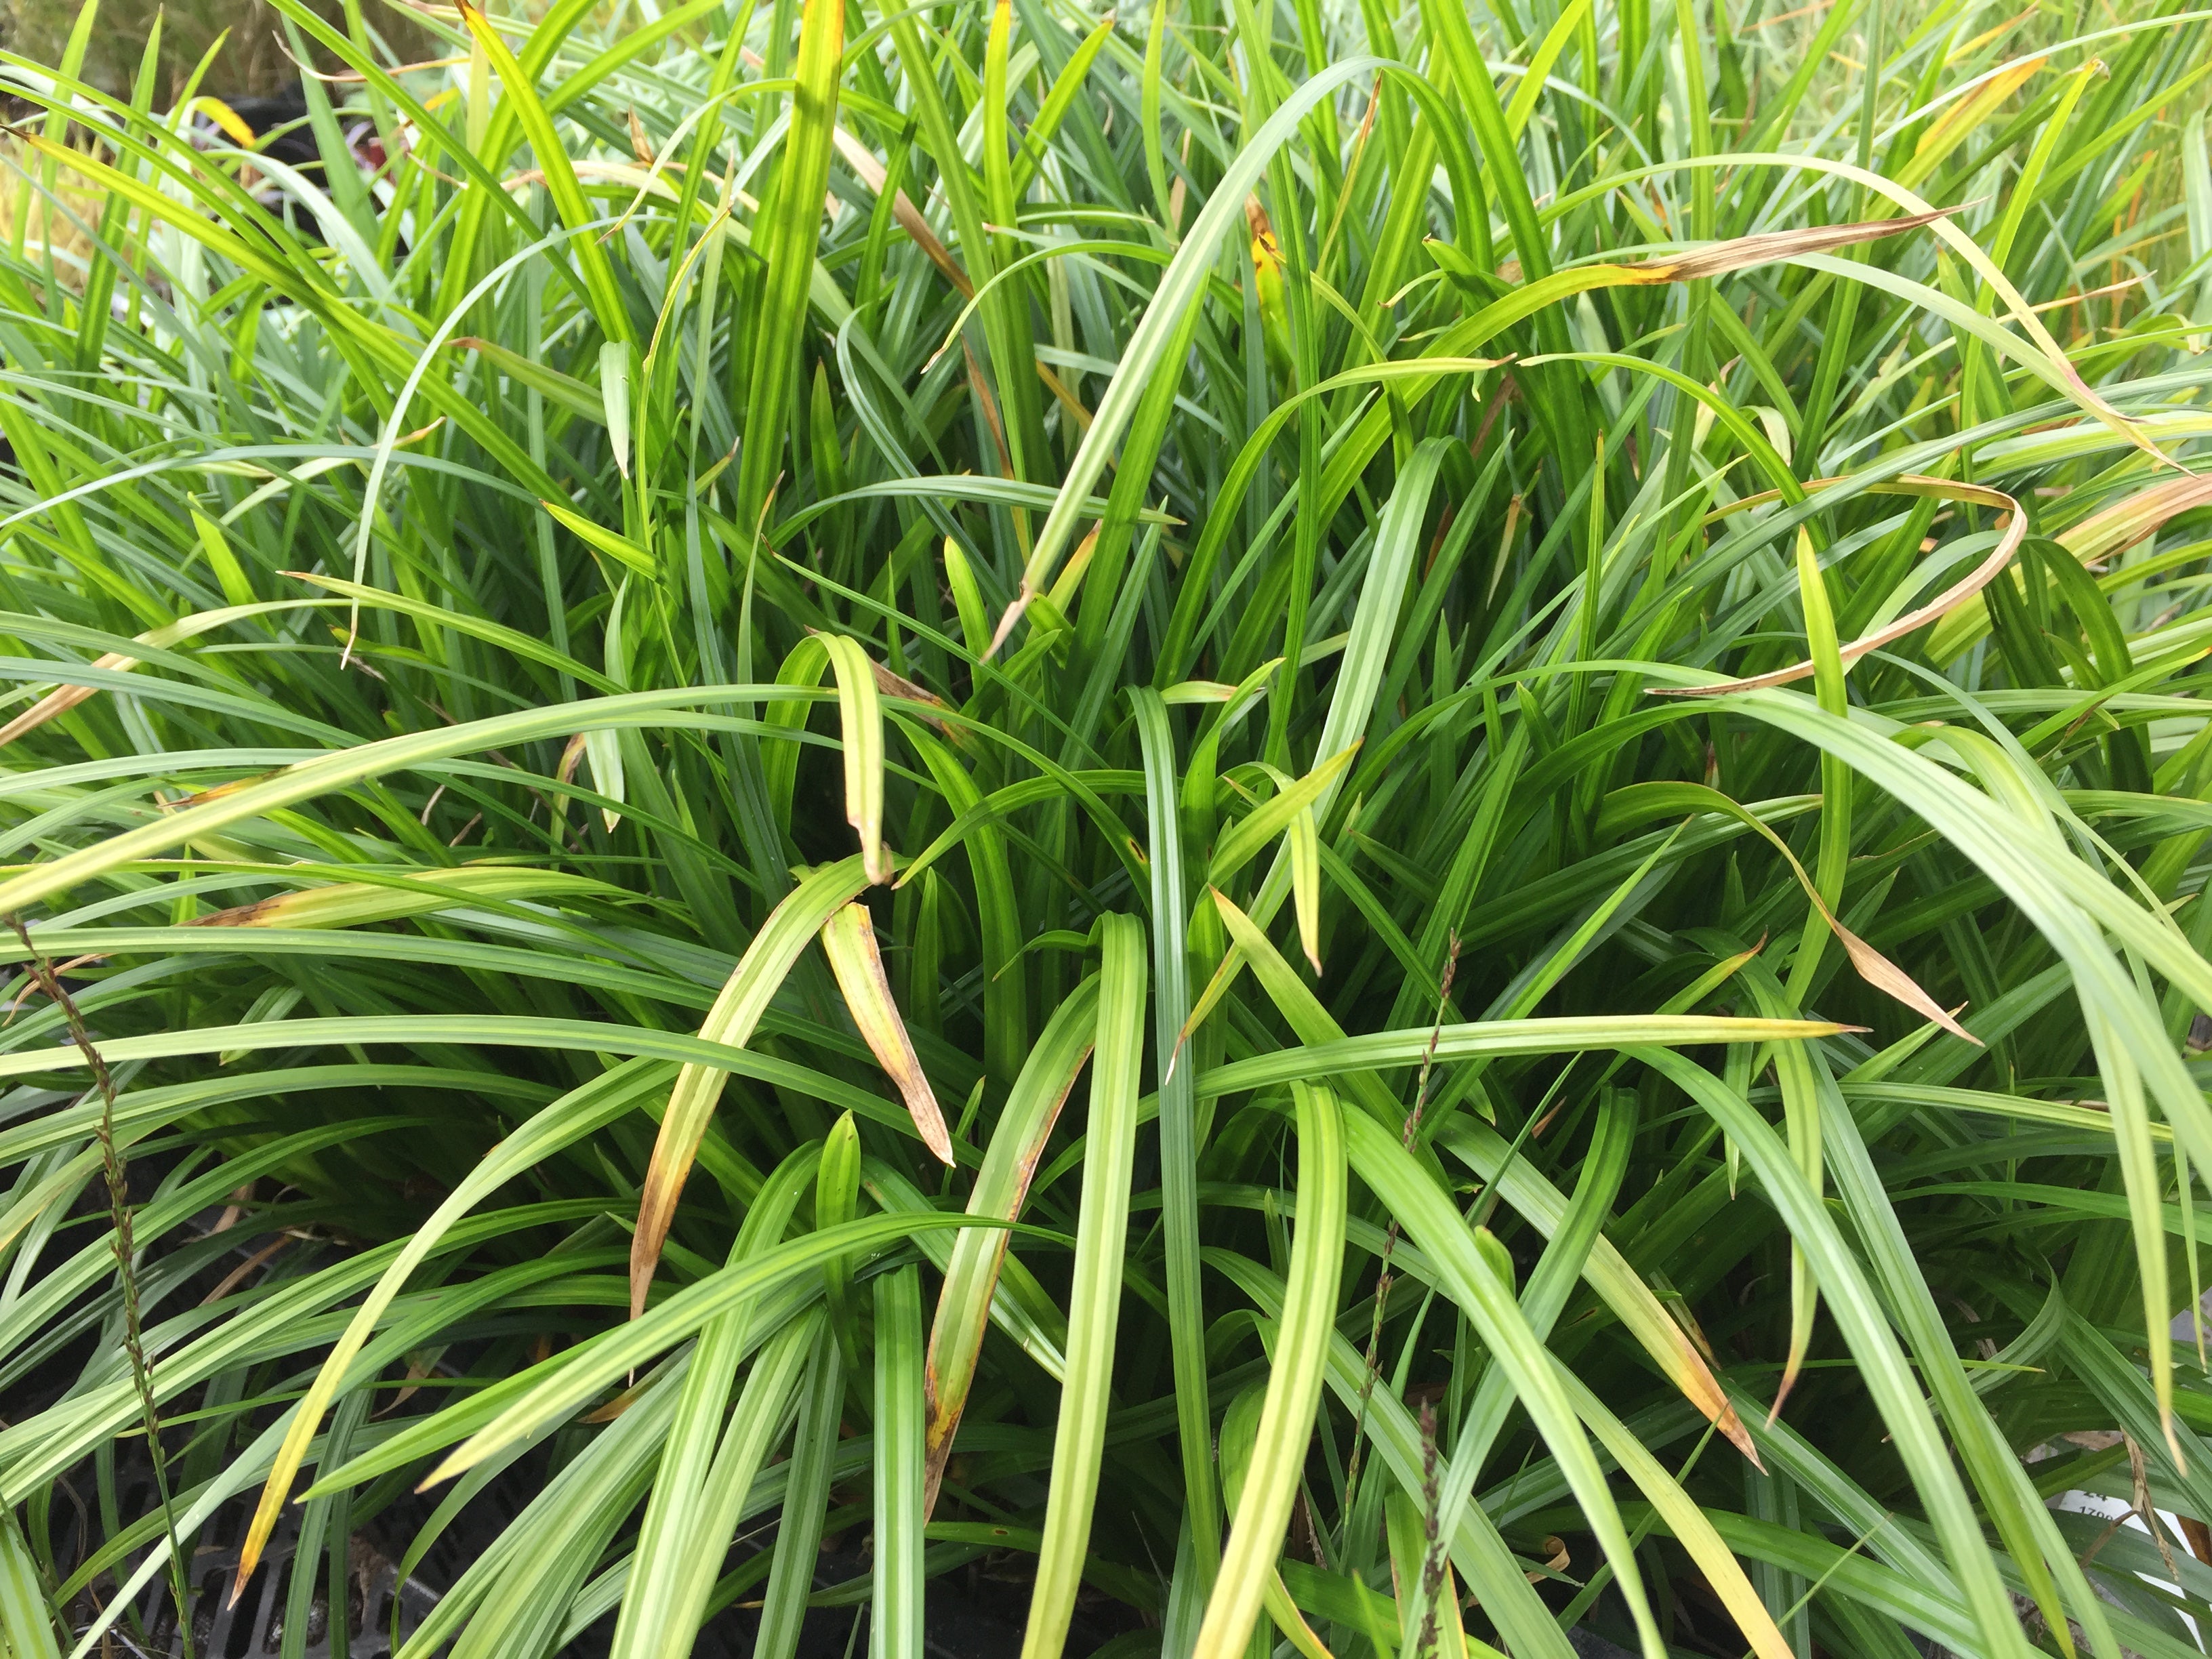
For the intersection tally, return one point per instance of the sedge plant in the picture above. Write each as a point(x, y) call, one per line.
point(1368, 830)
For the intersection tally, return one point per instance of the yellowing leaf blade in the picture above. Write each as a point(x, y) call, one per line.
point(848, 938)
point(736, 1012)
point(861, 720)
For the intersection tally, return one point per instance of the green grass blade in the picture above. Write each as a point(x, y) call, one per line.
point(901, 1508)
point(1093, 1307)
point(1263, 1510)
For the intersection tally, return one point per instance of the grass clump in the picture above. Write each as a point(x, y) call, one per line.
point(1367, 828)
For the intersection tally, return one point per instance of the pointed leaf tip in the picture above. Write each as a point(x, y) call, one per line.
point(1006, 623)
point(848, 938)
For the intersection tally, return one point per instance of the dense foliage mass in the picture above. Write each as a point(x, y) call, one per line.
point(1403, 813)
